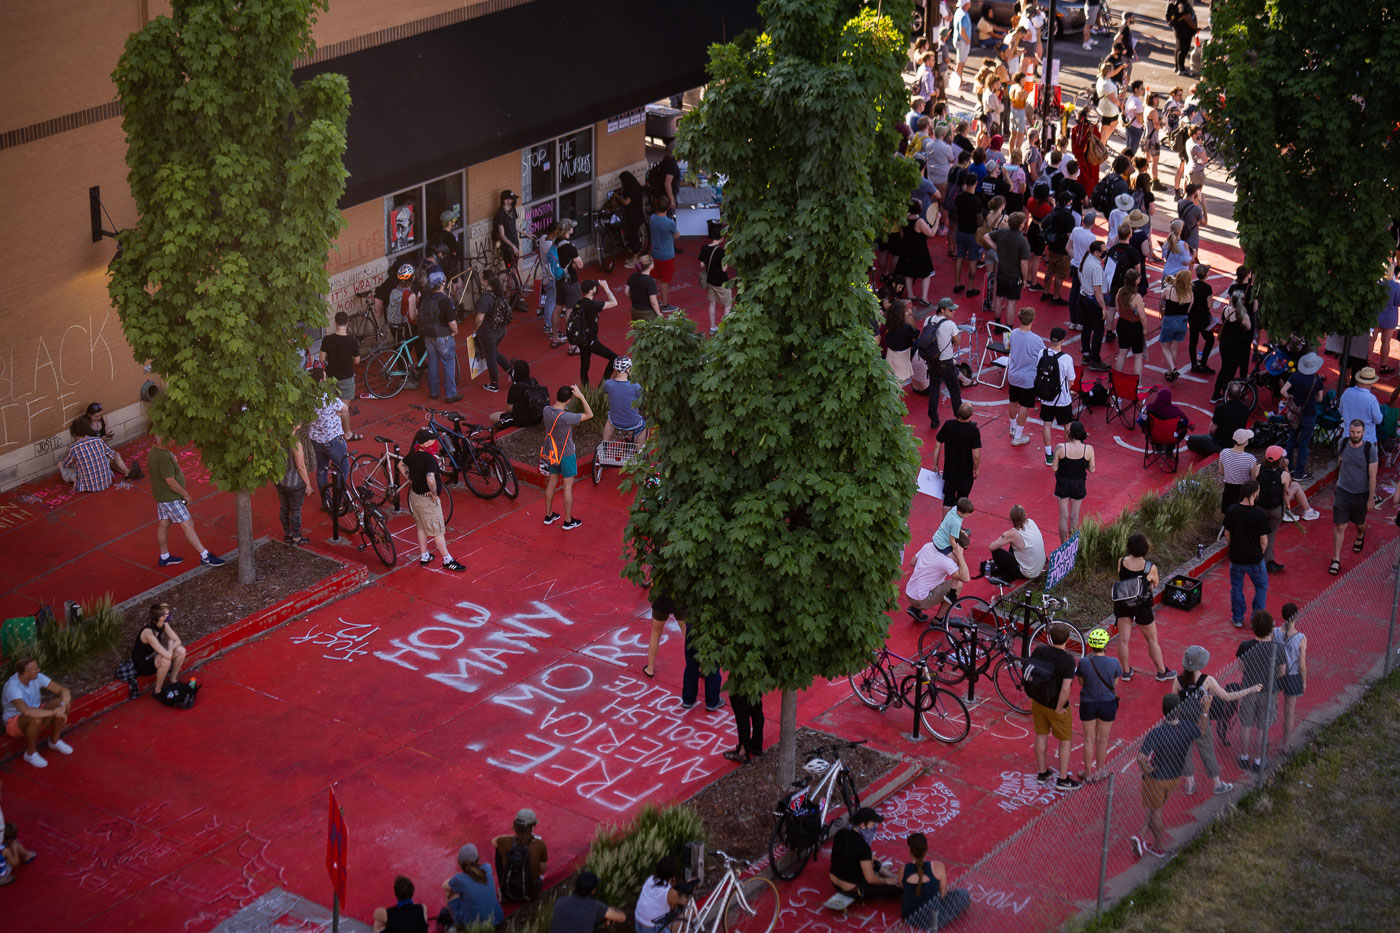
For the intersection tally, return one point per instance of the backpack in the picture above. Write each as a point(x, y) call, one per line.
point(1108, 188)
point(179, 695)
point(1037, 674)
point(926, 344)
point(515, 872)
point(396, 309)
point(578, 333)
point(1054, 234)
point(551, 454)
point(1114, 255)
point(536, 398)
point(498, 317)
point(1047, 376)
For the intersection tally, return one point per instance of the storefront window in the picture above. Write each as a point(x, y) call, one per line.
point(556, 182)
point(413, 218)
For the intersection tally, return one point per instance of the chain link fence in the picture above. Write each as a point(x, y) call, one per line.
point(1079, 855)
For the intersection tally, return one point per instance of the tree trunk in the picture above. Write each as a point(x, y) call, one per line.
point(787, 741)
point(243, 509)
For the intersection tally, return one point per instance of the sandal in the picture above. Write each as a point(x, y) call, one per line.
point(648, 673)
point(354, 437)
point(734, 754)
point(1359, 543)
point(1335, 567)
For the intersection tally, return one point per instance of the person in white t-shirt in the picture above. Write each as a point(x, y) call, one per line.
point(26, 711)
point(1134, 116)
point(1058, 410)
point(1019, 554)
point(937, 575)
point(1110, 105)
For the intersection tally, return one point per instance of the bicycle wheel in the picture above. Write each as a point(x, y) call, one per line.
point(511, 287)
point(944, 654)
point(643, 238)
point(377, 530)
point(607, 249)
point(850, 797)
point(1040, 635)
point(481, 474)
point(1248, 394)
point(510, 483)
point(365, 474)
point(445, 499)
point(1011, 683)
point(752, 907)
point(949, 721)
point(347, 518)
point(361, 326)
point(786, 855)
point(872, 687)
point(386, 374)
point(597, 466)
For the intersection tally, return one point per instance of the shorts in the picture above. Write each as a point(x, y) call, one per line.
point(1018, 119)
point(643, 314)
point(1255, 709)
point(967, 247)
point(1026, 398)
point(935, 595)
point(427, 513)
point(1101, 710)
point(176, 511)
point(1070, 489)
point(567, 467)
point(664, 270)
point(1056, 414)
point(1057, 263)
point(1291, 685)
point(1173, 329)
point(963, 49)
point(1130, 336)
point(1009, 289)
point(664, 606)
point(1141, 615)
point(720, 294)
point(345, 388)
point(953, 490)
point(12, 728)
point(1049, 722)
point(1349, 507)
point(1155, 791)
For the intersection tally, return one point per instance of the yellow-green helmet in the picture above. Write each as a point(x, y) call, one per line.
point(1097, 639)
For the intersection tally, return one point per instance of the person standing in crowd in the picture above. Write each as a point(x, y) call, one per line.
point(1057, 230)
point(1098, 703)
point(419, 468)
point(960, 443)
point(1176, 305)
point(748, 725)
point(1024, 350)
point(1304, 388)
point(658, 897)
point(967, 217)
point(915, 263)
point(504, 230)
point(328, 434)
point(938, 345)
point(581, 912)
point(1162, 759)
point(624, 396)
point(1198, 690)
point(89, 463)
point(663, 607)
point(693, 674)
point(158, 651)
point(1081, 239)
point(1181, 17)
point(854, 870)
point(643, 292)
point(1072, 463)
point(26, 711)
point(172, 503)
point(549, 277)
point(1388, 320)
point(569, 290)
point(962, 35)
point(1200, 321)
point(1274, 485)
point(1359, 403)
point(1263, 663)
point(520, 858)
point(492, 319)
point(937, 576)
point(1013, 252)
point(1236, 328)
point(1294, 682)
point(406, 916)
point(1050, 705)
point(437, 325)
point(560, 442)
point(340, 354)
point(1355, 495)
point(590, 307)
point(928, 903)
point(663, 249)
point(1130, 330)
point(1237, 466)
point(1139, 612)
point(1093, 306)
point(1058, 409)
point(717, 288)
point(1019, 553)
point(471, 893)
point(1247, 534)
point(1230, 416)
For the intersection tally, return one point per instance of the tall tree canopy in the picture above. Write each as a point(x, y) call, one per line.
point(236, 172)
point(785, 468)
point(1301, 97)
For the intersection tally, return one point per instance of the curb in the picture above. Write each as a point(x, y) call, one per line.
point(349, 577)
point(529, 473)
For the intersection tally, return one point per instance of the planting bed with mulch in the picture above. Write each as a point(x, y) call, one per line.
point(204, 603)
point(522, 445)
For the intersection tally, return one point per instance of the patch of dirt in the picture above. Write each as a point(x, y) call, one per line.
point(522, 445)
point(207, 602)
point(738, 808)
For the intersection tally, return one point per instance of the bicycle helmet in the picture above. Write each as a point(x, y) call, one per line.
point(623, 364)
point(816, 766)
point(405, 272)
point(1097, 639)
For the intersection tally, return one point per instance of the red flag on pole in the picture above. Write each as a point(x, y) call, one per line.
point(337, 846)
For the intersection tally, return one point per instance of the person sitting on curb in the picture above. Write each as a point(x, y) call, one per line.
point(855, 872)
point(1019, 553)
point(26, 711)
point(405, 916)
point(926, 891)
point(660, 896)
point(13, 853)
point(471, 893)
point(520, 859)
point(580, 912)
point(151, 657)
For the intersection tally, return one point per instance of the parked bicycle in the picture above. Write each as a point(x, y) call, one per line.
point(617, 452)
point(749, 906)
point(880, 688)
point(801, 826)
point(353, 510)
point(470, 457)
point(389, 371)
point(365, 326)
point(379, 478)
point(607, 228)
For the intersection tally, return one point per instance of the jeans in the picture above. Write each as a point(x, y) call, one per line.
point(489, 342)
point(442, 351)
point(1205, 747)
point(1091, 317)
point(1201, 330)
point(1183, 47)
point(748, 722)
point(1134, 134)
point(945, 373)
point(1074, 296)
point(335, 452)
point(289, 509)
point(1259, 576)
point(1300, 445)
point(690, 678)
point(585, 360)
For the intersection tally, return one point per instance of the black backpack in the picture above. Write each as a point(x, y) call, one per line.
point(1108, 188)
point(1037, 674)
point(1116, 252)
point(926, 344)
point(515, 872)
point(536, 398)
point(578, 334)
point(179, 695)
point(1047, 376)
point(1052, 227)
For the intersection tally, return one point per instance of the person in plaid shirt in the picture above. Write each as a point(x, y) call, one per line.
point(90, 462)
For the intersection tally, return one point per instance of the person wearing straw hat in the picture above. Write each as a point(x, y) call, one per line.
point(1359, 403)
point(1305, 388)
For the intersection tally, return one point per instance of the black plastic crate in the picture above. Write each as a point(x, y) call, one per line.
point(1182, 592)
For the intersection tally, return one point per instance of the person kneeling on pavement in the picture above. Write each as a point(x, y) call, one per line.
point(937, 576)
point(855, 872)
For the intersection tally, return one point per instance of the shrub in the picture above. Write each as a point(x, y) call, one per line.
point(1159, 516)
point(624, 858)
point(62, 649)
point(597, 400)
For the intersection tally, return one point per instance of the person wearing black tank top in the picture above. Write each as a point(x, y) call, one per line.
point(405, 916)
point(151, 655)
point(1072, 462)
point(1136, 564)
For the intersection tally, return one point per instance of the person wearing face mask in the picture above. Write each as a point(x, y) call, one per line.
point(420, 468)
point(854, 870)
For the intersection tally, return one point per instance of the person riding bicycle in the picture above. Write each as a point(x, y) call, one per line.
point(504, 230)
point(396, 303)
point(623, 397)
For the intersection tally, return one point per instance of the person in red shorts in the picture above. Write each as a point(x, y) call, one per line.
point(663, 249)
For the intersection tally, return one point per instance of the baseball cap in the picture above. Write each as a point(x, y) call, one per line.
point(467, 854)
point(450, 215)
point(526, 817)
point(1058, 333)
point(1243, 435)
point(946, 303)
point(866, 815)
point(1274, 453)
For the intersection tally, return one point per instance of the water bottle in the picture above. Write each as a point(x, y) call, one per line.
point(1200, 551)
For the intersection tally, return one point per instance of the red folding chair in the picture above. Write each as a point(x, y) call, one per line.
point(1088, 391)
point(1125, 399)
point(1163, 442)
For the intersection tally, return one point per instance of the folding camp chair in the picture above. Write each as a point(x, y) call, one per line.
point(995, 355)
point(1162, 442)
point(1125, 399)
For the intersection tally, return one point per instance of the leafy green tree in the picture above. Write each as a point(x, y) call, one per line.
point(236, 172)
point(784, 469)
point(1301, 98)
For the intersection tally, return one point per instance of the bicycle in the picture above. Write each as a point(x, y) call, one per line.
point(389, 371)
point(801, 826)
point(617, 452)
point(741, 906)
point(947, 719)
point(607, 225)
point(483, 466)
point(365, 326)
point(358, 507)
point(380, 479)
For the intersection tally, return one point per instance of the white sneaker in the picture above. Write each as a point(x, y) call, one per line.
point(1288, 516)
point(60, 746)
point(1088, 45)
point(36, 759)
point(1311, 515)
point(630, 264)
point(1018, 441)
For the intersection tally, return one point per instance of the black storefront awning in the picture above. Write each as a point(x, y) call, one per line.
point(437, 102)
